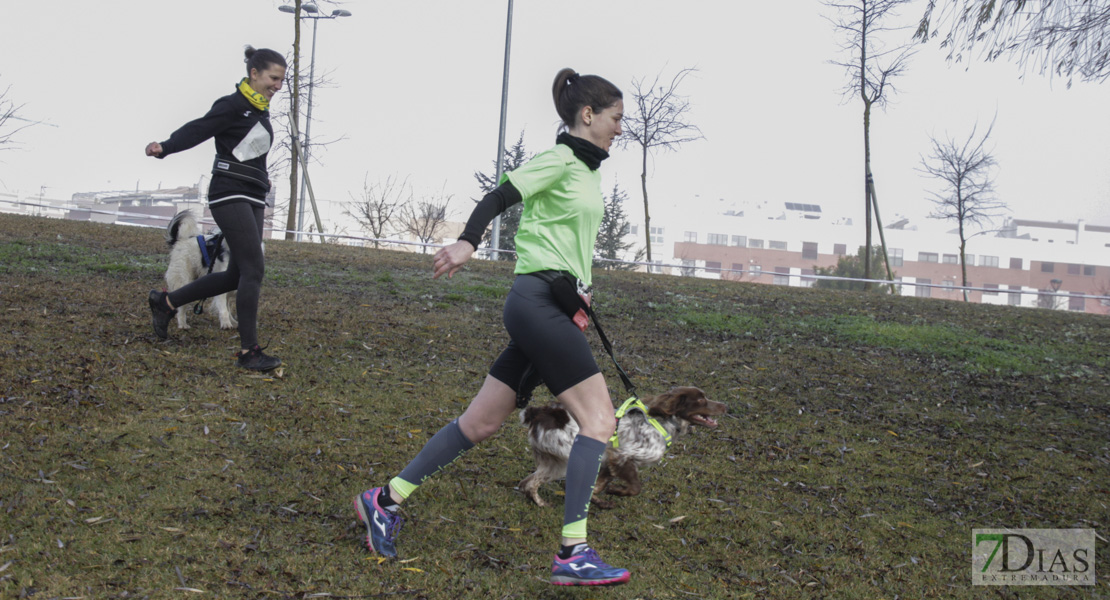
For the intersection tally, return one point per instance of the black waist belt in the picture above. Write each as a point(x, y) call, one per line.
point(238, 170)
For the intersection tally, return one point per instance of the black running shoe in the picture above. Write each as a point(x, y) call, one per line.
point(255, 360)
point(160, 314)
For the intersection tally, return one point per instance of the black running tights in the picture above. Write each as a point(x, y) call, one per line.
point(241, 224)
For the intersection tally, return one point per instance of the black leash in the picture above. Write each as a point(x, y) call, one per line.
point(609, 348)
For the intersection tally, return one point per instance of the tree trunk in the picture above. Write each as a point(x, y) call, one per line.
point(866, 145)
point(291, 219)
point(963, 262)
point(866, 191)
point(647, 213)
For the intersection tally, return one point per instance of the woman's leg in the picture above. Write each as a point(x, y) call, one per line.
point(241, 224)
point(377, 507)
point(487, 411)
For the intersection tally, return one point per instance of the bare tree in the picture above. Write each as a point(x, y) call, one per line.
point(658, 119)
point(295, 110)
point(871, 67)
point(965, 170)
point(9, 114)
point(1059, 37)
point(376, 206)
point(424, 219)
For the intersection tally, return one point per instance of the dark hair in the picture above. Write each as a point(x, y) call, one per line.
point(573, 91)
point(261, 59)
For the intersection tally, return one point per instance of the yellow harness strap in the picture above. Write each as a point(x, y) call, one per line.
point(634, 403)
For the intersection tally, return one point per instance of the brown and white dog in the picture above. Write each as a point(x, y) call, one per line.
point(551, 432)
point(188, 263)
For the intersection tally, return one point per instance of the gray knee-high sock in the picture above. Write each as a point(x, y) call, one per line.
point(445, 447)
point(583, 465)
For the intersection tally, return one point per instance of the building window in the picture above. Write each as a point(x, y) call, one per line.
point(656, 235)
point(924, 291)
point(807, 277)
point(756, 270)
point(927, 257)
point(1076, 302)
point(631, 229)
point(948, 284)
point(656, 266)
point(1014, 299)
point(840, 249)
point(712, 266)
point(754, 243)
point(1016, 263)
point(777, 245)
point(1047, 267)
point(988, 261)
point(717, 239)
point(1073, 269)
point(782, 276)
point(993, 287)
point(809, 250)
point(740, 241)
point(690, 236)
point(738, 269)
point(950, 259)
point(1089, 270)
point(895, 257)
point(969, 260)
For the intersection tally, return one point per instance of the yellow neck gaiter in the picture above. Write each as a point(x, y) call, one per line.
point(257, 100)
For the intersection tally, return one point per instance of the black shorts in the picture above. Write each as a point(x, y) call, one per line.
point(544, 336)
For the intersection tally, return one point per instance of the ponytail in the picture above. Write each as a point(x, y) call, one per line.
point(572, 92)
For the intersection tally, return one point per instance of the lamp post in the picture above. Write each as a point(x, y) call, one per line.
point(312, 13)
point(495, 239)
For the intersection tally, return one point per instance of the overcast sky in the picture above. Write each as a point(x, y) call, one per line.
point(416, 93)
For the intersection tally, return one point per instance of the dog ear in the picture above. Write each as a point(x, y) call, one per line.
point(664, 405)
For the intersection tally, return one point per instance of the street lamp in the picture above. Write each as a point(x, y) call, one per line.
point(312, 13)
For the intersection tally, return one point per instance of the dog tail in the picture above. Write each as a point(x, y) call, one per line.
point(184, 224)
point(545, 417)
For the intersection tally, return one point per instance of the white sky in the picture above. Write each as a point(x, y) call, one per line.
point(417, 94)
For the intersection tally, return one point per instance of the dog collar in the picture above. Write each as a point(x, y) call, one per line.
point(634, 403)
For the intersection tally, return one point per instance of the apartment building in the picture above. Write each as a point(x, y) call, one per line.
point(1026, 263)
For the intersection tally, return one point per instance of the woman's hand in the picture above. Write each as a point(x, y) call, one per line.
point(154, 149)
point(451, 258)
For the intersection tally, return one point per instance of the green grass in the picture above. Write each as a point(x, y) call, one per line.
point(866, 438)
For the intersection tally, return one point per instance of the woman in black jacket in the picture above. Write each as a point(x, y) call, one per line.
point(240, 124)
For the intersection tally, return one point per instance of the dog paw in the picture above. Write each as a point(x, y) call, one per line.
point(227, 326)
point(183, 326)
point(602, 504)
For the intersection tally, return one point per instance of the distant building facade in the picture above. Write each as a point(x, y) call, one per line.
point(150, 208)
point(1027, 263)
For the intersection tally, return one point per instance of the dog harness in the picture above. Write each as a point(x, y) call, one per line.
point(210, 250)
point(634, 403)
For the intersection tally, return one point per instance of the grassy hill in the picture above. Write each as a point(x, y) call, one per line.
point(867, 435)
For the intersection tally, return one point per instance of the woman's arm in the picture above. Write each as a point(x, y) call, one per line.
point(493, 204)
point(218, 118)
point(451, 258)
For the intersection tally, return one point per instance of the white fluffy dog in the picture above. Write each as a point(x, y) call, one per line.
point(189, 261)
